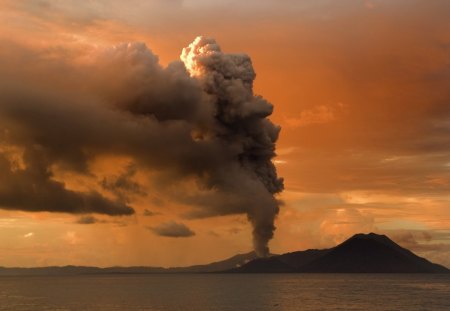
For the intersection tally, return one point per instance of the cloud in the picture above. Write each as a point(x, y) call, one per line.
point(87, 220)
point(32, 189)
point(431, 244)
point(422, 240)
point(148, 213)
point(316, 115)
point(250, 182)
point(55, 126)
point(173, 230)
point(196, 121)
point(123, 185)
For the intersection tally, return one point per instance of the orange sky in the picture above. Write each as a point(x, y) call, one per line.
point(360, 90)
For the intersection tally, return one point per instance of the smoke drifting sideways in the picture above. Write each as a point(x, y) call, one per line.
point(197, 119)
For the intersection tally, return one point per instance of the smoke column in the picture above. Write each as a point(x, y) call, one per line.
point(195, 127)
point(240, 122)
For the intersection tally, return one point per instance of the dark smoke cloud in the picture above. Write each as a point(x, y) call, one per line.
point(172, 230)
point(32, 189)
point(193, 120)
point(241, 124)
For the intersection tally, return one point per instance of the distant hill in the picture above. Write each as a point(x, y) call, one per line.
point(226, 264)
point(230, 263)
point(77, 270)
point(362, 253)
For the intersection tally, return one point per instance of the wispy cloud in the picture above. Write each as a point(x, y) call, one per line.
point(316, 115)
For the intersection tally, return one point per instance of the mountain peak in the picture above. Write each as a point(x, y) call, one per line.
point(368, 235)
point(373, 236)
point(362, 253)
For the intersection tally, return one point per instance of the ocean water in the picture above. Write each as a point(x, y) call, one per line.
point(226, 292)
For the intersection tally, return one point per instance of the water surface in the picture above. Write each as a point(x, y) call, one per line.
point(226, 292)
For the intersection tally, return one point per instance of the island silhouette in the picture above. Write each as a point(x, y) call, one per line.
point(362, 253)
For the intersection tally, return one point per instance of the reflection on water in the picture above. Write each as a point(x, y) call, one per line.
point(227, 292)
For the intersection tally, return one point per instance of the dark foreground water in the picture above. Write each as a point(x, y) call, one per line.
point(227, 292)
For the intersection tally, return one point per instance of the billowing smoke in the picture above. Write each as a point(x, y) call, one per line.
point(196, 120)
point(242, 124)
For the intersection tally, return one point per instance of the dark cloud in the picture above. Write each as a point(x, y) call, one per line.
point(33, 189)
point(87, 220)
point(193, 121)
point(148, 213)
point(90, 220)
point(57, 126)
point(250, 181)
point(123, 185)
point(173, 230)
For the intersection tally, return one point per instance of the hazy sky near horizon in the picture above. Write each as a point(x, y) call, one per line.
point(360, 88)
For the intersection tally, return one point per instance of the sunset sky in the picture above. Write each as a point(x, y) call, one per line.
point(360, 89)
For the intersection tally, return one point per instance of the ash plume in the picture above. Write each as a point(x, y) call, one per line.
point(241, 124)
point(195, 120)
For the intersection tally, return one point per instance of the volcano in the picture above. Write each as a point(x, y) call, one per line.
point(362, 253)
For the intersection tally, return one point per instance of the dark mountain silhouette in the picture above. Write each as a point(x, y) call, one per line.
point(289, 262)
point(362, 253)
point(232, 262)
point(77, 270)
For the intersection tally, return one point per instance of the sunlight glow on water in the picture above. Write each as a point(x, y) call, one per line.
point(226, 292)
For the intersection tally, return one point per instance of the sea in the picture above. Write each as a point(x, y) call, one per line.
point(226, 292)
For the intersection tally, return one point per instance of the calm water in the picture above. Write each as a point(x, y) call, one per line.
point(227, 292)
